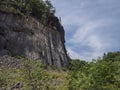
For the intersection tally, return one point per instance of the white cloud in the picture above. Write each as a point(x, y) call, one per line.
point(92, 20)
point(83, 56)
point(85, 31)
point(87, 35)
point(73, 54)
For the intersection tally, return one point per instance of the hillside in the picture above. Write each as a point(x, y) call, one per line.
point(32, 75)
point(33, 54)
point(100, 74)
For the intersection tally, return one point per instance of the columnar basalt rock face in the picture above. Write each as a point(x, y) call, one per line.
point(26, 36)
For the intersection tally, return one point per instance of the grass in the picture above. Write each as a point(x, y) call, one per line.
point(11, 76)
point(33, 74)
point(59, 80)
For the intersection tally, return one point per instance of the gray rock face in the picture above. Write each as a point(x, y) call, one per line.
point(28, 37)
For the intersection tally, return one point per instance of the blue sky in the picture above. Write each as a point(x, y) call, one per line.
point(92, 27)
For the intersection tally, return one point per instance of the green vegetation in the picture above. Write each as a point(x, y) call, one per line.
point(100, 74)
point(32, 76)
point(40, 9)
point(28, 6)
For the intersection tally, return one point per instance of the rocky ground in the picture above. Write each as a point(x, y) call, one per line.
point(10, 62)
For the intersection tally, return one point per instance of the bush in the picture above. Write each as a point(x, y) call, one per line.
point(34, 75)
point(98, 75)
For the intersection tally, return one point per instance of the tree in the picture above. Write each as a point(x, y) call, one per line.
point(112, 56)
point(99, 75)
point(50, 7)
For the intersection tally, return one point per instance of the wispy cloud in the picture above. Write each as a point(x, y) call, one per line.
point(92, 26)
point(73, 54)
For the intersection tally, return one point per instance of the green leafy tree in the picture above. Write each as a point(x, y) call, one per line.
point(96, 75)
point(76, 64)
point(112, 56)
point(50, 7)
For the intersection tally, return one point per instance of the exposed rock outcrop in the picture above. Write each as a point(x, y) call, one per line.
point(26, 36)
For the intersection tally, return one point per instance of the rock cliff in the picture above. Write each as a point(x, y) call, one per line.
point(26, 36)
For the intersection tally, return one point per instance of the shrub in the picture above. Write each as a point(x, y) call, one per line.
point(98, 75)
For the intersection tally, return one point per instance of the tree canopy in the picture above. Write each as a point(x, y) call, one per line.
point(35, 8)
point(100, 74)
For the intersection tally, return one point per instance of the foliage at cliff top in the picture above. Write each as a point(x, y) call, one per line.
point(43, 10)
point(28, 7)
